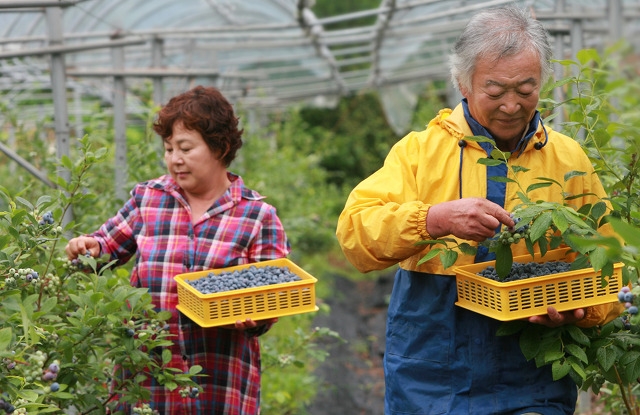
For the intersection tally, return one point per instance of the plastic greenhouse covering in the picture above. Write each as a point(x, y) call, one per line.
point(58, 55)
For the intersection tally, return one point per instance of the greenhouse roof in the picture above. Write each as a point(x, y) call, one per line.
point(262, 54)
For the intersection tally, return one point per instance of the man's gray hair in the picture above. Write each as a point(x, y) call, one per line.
point(496, 33)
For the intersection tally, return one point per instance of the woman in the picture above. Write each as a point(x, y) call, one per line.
point(200, 216)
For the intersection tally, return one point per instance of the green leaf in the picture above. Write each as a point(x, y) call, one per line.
point(577, 351)
point(573, 173)
point(429, 255)
point(606, 357)
point(504, 260)
point(519, 169)
point(598, 258)
point(171, 385)
point(578, 368)
point(467, 249)
point(578, 335)
point(490, 162)
point(163, 315)
point(560, 220)
point(5, 338)
point(480, 139)
point(25, 202)
point(497, 154)
point(523, 197)
point(431, 242)
point(530, 343)
point(66, 162)
point(552, 355)
point(560, 369)
point(598, 210)
point(630, 233)
point(166, 356)
point(511, 327)
point(630, 366)
point(448, 258)
point(548, 180)
point(501, 179)
point(537, 186)
point(540, 226)
point(584, 56)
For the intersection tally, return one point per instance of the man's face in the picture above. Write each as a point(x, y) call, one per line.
point(505, 96)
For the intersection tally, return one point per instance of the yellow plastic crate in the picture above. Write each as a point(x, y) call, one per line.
point(256, 303)
point(529, 297)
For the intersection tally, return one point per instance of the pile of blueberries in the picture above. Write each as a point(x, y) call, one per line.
point(243, 278)
point(523, 270)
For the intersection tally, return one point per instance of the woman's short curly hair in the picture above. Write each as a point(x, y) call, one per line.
point(207, 111)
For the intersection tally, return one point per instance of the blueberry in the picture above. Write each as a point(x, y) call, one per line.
point(48, 376)
point(55, 387)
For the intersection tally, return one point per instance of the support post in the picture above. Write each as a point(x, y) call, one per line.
point(156, 62)
point(119, 125)
point(59, 91)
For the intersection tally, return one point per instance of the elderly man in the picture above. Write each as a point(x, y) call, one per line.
point(443, 359)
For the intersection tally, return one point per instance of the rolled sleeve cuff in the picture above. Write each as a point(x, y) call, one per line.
point(423, 211)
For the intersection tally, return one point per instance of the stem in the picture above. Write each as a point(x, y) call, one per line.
point(625, 399)
point(590, 126)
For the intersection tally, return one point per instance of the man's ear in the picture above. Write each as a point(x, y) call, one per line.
point(464, 91)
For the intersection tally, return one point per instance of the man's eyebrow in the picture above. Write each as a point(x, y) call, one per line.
point(491, 82)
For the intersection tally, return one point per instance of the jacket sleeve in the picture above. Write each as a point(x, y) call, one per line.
point(383, 218)
point(601, 314)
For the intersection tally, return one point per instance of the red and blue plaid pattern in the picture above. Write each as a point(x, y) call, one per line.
point(155, 226)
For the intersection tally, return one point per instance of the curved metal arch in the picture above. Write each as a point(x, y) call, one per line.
point(177, 19)
point(94, 11)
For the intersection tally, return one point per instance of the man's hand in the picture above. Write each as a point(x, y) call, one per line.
point(474, 219)
point(557, 319)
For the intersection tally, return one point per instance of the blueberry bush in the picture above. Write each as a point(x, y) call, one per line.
point(69, 328)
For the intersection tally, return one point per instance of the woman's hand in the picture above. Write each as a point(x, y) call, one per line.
point(249, 324)
point(81, 245)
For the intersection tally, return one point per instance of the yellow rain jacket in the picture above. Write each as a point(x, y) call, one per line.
point(385, 215)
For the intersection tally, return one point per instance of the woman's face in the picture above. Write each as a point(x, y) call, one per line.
point(505, 96)
point(191, 162)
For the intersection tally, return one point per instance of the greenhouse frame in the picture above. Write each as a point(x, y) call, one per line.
point(264, 55)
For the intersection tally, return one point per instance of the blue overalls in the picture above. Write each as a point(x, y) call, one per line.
point(443, 359)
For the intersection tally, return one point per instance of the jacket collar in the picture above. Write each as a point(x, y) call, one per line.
point(456, 124)
point(479, 130)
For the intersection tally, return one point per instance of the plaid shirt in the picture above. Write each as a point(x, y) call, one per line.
point(155, 225)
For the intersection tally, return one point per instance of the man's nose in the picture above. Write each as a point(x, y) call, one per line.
point(510, 105)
